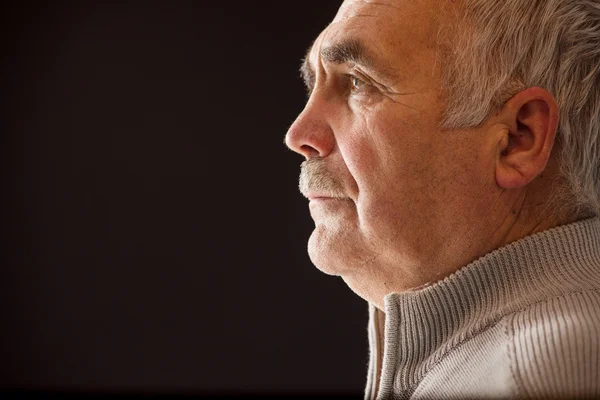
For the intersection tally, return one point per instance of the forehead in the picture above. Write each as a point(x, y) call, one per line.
point(399, 32)
point(353, 8)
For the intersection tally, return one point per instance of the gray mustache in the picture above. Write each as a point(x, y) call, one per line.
point(316, 178)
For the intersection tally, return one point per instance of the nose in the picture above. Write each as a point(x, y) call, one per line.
point(311, 135)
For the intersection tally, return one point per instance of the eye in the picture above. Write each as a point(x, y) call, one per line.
point(359, 86)
point(357, 83)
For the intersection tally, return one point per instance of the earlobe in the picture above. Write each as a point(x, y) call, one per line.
point(507, 176)
point(530, 119)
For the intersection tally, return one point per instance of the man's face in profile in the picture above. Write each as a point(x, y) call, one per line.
point(389, 190)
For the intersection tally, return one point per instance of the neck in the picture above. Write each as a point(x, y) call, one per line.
point(522, 213)
point(529, 211)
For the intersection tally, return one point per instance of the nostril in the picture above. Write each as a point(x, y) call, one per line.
point(309, 151)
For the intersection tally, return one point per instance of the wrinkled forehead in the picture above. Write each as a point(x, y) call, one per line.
point(354, 8)
point(387, 26)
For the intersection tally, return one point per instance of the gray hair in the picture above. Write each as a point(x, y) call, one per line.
point(501, 47)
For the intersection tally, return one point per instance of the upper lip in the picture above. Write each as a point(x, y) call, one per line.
point(314, 196)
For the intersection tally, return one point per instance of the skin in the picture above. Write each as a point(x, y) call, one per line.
point(413, 203)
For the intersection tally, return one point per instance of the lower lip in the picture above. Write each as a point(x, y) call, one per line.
point(322, 201)
point(325, 205)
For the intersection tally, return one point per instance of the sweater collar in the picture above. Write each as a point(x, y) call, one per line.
point(422, 326)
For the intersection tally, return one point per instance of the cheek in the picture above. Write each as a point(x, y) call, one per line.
point(389, 154)
point(393, 162)
point(387, 164)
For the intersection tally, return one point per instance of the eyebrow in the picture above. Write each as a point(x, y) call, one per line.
point(347, 51)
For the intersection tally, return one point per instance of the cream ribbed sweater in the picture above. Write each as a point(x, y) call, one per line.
point(522, 321)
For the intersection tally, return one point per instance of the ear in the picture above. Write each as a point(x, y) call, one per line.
point(530, 119)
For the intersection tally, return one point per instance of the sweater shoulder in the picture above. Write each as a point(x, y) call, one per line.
point(554, 346)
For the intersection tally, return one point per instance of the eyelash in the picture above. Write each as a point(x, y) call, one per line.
point(355, 81)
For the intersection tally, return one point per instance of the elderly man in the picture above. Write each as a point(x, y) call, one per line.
point(453, 170)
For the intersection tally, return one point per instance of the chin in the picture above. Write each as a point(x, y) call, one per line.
point(334, 253)
point(324, 261)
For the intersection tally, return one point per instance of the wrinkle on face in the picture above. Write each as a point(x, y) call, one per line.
point(352, 8)
point(371, 2)
point(390, 98)
point(396, 62)
point(386, 146)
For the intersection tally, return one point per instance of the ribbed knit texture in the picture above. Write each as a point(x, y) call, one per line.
point(521, 322)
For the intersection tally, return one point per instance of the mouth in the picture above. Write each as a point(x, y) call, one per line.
point(317, 197)
point(322, 199)
point(320, 196)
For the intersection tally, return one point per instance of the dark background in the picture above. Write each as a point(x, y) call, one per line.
point(154, 239)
